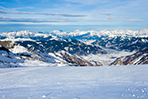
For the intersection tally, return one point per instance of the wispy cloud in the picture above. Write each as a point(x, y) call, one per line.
point(129, 19)
point(113, 17)
point(13, 9)
point(36, 20)
point(40, 20)
point(106, 13)
point(135, 20)
point(41, 13)
point(88, 2)
point(106, 19)
point(4, 8)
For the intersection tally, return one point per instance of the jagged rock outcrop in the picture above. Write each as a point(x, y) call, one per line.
point(5, 43)
point(140, 57)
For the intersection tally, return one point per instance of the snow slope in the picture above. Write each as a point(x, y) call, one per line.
point(52, 82)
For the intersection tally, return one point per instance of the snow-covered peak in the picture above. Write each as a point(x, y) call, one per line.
point(76, 34)
point(143, 30)
point(24, 34)
point(112, 33)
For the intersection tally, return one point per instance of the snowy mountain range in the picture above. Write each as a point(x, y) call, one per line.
point(69, 48)
point(99, 34)
point(75, 34)
point(127, 40)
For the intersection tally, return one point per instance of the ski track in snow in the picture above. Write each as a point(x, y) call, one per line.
point(105, 82)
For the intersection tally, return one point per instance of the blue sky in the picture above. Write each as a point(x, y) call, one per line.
point(75, 14)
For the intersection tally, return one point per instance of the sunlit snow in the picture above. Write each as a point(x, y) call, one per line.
point(53, 82)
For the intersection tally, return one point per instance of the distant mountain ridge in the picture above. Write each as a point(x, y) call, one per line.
point(98, 34)
point(75, 34)
point(123, 43)
point(25, 34)
point(127, 40)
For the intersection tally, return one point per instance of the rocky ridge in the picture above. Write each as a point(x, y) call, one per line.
point(140, 57)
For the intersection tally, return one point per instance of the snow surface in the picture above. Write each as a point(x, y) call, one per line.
point(18, 49)
point(53, 82)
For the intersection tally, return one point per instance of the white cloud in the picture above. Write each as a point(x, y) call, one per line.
point(13, 9)
point(22, 8)
point(4, 8)
point(135, 20)
point(43, 20)
point(41, 13)
point(7, 19)
point(130, 19)
point(106, 13)
point(36, 20)
point(87, 2)
point(120, 17)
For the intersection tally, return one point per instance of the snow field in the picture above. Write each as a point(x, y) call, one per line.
point(105, 82)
